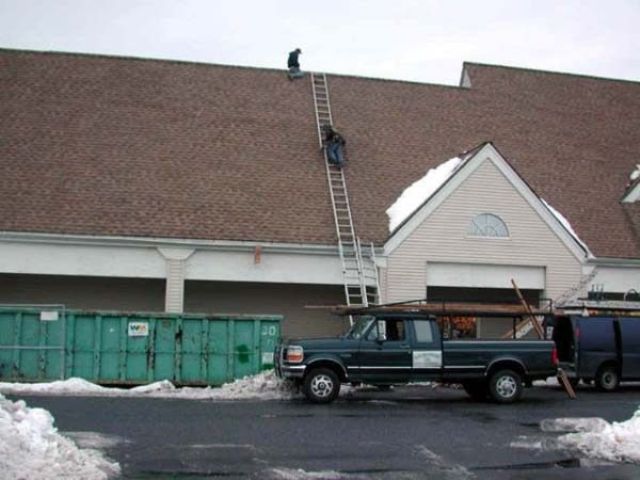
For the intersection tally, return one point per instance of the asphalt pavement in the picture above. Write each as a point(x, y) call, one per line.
point(412, 432)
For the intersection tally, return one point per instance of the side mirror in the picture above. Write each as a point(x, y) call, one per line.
point(381, 328)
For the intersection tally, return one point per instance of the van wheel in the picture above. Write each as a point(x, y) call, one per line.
point(476, 390)
point(321, 385)
point(505, 386)
point(607, 378)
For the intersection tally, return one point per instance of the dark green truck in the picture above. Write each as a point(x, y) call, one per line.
point(387, 349)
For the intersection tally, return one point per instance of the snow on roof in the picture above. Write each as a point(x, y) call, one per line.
point(635, 174)
point(31, 447)
point(420, 191)
point(565, 223)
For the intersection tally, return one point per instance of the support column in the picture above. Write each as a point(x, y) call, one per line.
point(176, 259)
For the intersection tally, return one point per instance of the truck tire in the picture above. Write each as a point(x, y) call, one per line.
point(321, 385)
point(478, 391)
point(505, 386)
point(607, 378)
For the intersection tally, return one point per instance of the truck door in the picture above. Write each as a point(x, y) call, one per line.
point(384, 355)
point(630, 339)
point(427, 350)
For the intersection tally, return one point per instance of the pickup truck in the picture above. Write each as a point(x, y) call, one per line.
point(388, 349)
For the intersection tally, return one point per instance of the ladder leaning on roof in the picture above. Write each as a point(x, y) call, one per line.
point(360, 276)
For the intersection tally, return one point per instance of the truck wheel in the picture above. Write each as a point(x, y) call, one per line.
point(476, 390)
point(321, 385)
point(607, 378)
point(505, 386)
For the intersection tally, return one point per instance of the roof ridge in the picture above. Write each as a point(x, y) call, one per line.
point(548, 72)
point(221, 65)
point(130, 57)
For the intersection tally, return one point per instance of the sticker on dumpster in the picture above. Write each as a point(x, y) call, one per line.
point(267, 358)
point(138, 329)
point(48, 316)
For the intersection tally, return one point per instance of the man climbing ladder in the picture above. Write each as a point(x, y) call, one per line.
point(334, 144)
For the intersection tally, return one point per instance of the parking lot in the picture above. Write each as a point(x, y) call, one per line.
point(412, 432)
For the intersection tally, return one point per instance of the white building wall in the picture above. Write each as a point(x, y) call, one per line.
point(216, 263)
point(617, 279)
point(443, 237)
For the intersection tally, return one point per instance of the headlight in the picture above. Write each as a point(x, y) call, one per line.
point(295, 354)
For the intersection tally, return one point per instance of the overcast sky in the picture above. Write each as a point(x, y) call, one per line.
point(421, 40)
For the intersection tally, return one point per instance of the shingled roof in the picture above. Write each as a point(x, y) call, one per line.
point(95, 145)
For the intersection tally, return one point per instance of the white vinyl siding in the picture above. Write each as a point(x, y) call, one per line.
point(443, 237)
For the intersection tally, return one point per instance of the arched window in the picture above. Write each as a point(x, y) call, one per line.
point(488, 225)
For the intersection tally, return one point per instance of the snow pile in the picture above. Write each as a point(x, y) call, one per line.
point(416, 194)
point(263, 386)
point(565, 223)
point(595, 437)
point(31, 448)
point(72, 386)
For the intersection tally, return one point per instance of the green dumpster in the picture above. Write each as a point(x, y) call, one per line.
point(52, 343)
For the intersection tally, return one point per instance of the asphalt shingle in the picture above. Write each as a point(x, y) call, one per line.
point(117, 146)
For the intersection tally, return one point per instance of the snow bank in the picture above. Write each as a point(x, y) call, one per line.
point(617, 441)
point(264, 386)
point(416, 194)
point(31, 448)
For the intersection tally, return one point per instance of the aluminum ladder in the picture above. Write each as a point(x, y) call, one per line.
point(360, 276)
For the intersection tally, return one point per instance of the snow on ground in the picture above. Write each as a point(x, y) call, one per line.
point(595, 438)
point(31, 448)
point(617, 441)
point(264, 386)
point(549, 382)
point(418, 192)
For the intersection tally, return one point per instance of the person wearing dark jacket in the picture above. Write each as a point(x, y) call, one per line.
point(334, 144)
point(294, 64)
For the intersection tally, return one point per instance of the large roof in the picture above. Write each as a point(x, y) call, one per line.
point(94, 145)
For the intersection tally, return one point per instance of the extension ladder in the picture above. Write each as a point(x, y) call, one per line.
point(360, 276)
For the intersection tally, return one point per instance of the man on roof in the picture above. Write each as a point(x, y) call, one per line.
point(294, 65)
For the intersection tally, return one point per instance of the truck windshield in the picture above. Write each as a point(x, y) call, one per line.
point(359, 327)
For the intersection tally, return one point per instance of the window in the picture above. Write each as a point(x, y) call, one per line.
point(424, 333)
point(389, 329)
point(488, 225)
